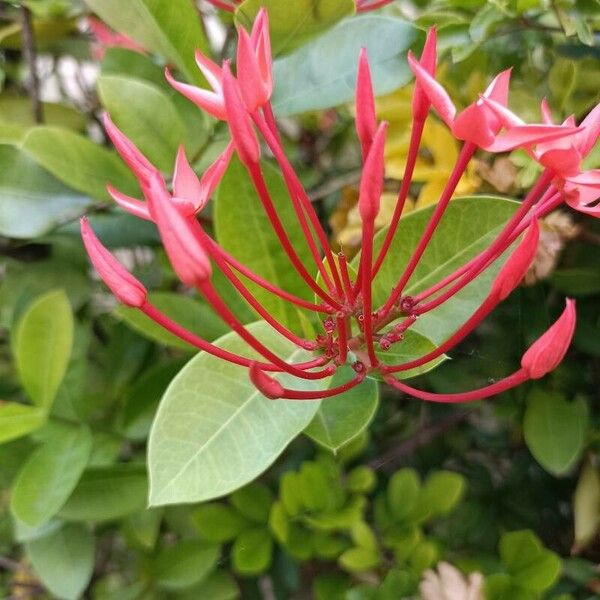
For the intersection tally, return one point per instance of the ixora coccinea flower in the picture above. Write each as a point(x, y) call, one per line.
point(356, 331)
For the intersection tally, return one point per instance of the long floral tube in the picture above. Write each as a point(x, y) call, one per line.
point(464, 157)
point(261, 188)
point(470, 270)
point(182, 333)
point(209, 292)
point(295, 186)
point(277, 291)
point(251, 300)
point(366, 5)
point(517, 378)
point(321, 394)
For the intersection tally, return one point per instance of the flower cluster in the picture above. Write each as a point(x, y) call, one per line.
point(354, 330)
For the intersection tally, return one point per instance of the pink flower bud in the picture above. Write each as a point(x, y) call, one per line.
point(267, 386)
point(514, 269)
point(420, 103)
point(371, 183)
point(240, 124)
point(549, 349)
point(126, 288)
point(132, 205)
point(254, 89)
point(134, 159)
point(186, 184)
point(366, 121)
point(188, 258)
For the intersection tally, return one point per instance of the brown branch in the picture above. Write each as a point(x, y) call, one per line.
point(390, 460)
point(30, 54)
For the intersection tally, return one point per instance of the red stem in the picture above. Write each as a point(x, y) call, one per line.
point(346, 282)
point(464, 157)
point(187, 336)
point(209, 292)
point(366, 259)
point(222, 5)
point(241, 268)
point(320, 394)
point(259, 182)
point(411, 159)
point(517, 378)
point(342, 326)
point(365, 5)
point(294, 185)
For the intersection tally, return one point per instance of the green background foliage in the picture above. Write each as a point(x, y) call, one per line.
point(133, 467)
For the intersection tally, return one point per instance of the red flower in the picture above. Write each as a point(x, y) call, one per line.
point(243, 101)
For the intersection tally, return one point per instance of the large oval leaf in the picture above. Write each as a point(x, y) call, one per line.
point(64, 560)
point(42, 346)
point(50, 475)
point(17, 420)
point(468, 227)
point(214, 431)
point(32, 202)
point(169, 28)
point(291, 24)
point(323, 73)
point(146, 115)
point(244, 230)
point(78, 162)
point(341, 418)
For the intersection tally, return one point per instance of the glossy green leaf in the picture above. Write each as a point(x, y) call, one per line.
point(64, 560)
point(218, 522)
point(555, 429)
point(146, 115)
point(357, 560)
point(107, 493)
point(292, 24)
point(17, 420)
point(219, 585)
point(169, 28)
point(251, 552)
point(192, 314)
point(467, 228)
point(42, 346)
point(143, 528)
point(531, 565)
point(442, 491)
point(244, 230)
point(78, 162)
point(253, 501)
point(32, 202)
point(341, 418)
point(323, 73)
point(50, 475)
point(214, 432)
point(403, 493)
point(184, 564)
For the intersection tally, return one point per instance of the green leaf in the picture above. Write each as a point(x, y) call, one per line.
point(341, 418)
point(32, 202)
point(577, 281)
point(169, 28)
point(219, 585)
point(218, 522)
point(252, 551)
point(214, 432)
point(361, 480)
point(78, 162)
point(555, 429)
point(532, 566)
point(253, 501)
point(64, 560)
point(244, 230)
point(17, 420)
point(146, 115)
point(403, 493)
point(586, 506)
point(423, 556)
point(42, 346)
point(357, 560)
point(442, 491)
point(184, 564)
point(467, 228)
point(143, 527)
point(323, 73)
point(292, 24)
point(107, 493)
point(50, 475)
point(188, 312)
